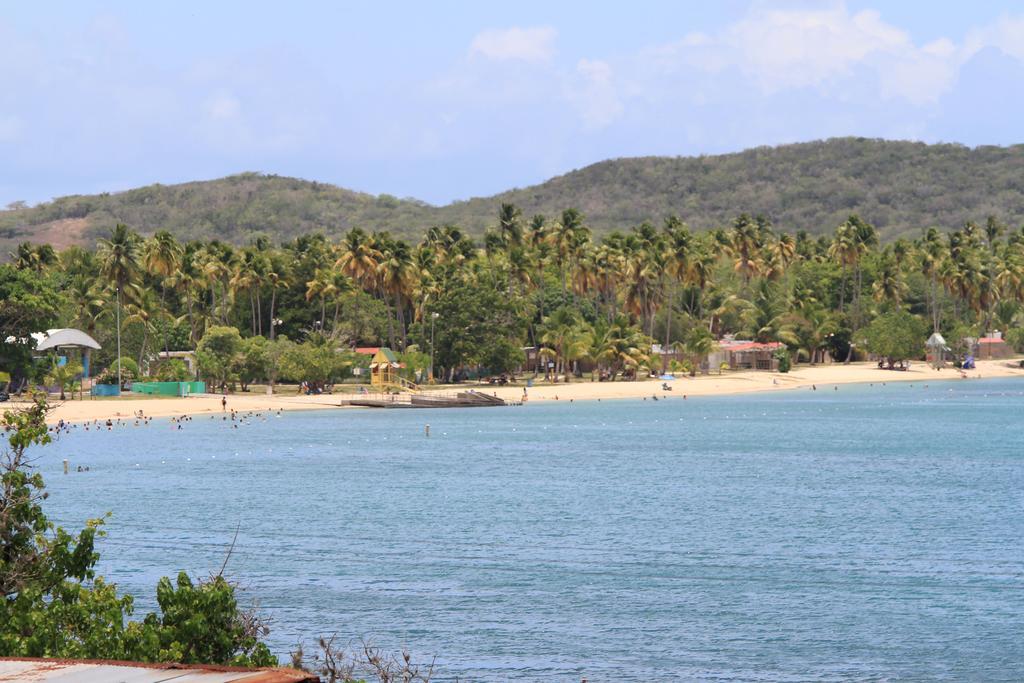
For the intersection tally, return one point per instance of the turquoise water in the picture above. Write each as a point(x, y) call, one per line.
point(867, 533)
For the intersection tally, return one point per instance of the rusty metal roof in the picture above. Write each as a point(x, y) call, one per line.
point(98, 671)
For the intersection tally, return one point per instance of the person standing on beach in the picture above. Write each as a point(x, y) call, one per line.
point(223, 403)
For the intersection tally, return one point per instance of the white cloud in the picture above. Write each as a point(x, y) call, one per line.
point(796, 48)
point(534, 44)
point(828, 49)
point(943, 47)
point(819, 50)
point(1007, 34)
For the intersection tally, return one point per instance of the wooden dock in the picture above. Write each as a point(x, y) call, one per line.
point(461, 399)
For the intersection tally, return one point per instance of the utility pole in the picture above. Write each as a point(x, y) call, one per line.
point(433, 317)
point(119, 339)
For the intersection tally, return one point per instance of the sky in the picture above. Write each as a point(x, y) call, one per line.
point(448, 100)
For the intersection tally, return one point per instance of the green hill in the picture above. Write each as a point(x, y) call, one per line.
point(901, 187)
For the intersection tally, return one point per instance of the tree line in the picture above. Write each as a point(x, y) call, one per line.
point(535, 281)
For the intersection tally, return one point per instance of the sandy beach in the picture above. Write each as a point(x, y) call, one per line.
point(803, 376)
point(824, 377)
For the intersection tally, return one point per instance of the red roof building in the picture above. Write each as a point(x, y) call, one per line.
point(741, 354)
point(994, 347)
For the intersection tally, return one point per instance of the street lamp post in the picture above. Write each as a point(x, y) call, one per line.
point(433, 317)
point(119, 338)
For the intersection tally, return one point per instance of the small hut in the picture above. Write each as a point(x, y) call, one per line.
point(741, 354)
point(937, 350)
point(994, 346)
point(384, 369)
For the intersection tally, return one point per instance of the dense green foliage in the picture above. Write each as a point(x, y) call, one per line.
point(52, 603)
point(901, 187)
point(895, 336)
point(218, 355)
point(295, 312)
point(476, 326)
point(29, 302)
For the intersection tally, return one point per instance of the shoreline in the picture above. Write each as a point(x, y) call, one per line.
point(748, 381)
point(756, 381)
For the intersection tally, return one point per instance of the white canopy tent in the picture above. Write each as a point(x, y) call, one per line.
point(64, 338)
point(68, 338)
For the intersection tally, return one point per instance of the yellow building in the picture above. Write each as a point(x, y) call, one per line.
point(384, 368)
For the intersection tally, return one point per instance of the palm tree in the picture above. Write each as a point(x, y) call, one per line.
point(188, 281)
point(538, 241)
point(321, 287)
point(993, 230)
point(679, 246)
point(216, 265)
point(510, 225)
point(889, 284)
point(119, 258)
point(742, 245)
point(864, 237)
point(763, 316)
point(699, 343)
point(35, 257)
point(88, 301)
point(1010, 274)
point(726, 307)
point(586, 274)
point(931, 254)
point(642, 279)
point(520, 269)
point(564, 338)
point(424, 282)
point(396, 270)
point(161, 255)
point(24, 256)
point(63, 375)
point(901, 252)
point(841, 250)
point(119, 263)
point(951, 276)
point(145, 310)
point(359, 259)
point(339, 286)
point(621, 345)
point(277, 283)
point(808, 331)
point(609, 265)
point(702, 267)
point(247, 278)
point(568, 238)
point(784, 250)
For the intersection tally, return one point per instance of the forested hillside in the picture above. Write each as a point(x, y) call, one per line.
point(901, 187)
